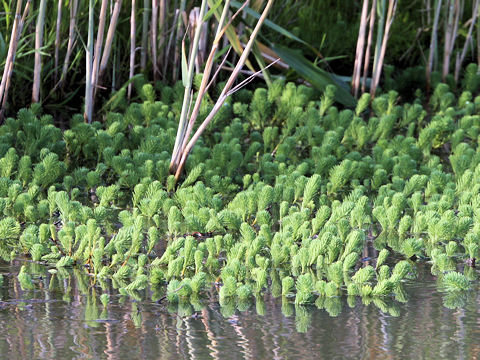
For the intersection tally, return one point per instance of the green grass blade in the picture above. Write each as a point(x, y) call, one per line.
point(317, 77)
point(184, 66)
point(212, 10)
point(270, 24)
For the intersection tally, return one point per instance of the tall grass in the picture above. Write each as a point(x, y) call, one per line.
point(145, 37)
point(362, 57)
point(461, 56)
point(133, 29)
point(37, 71)
point(81, 51)
point(433, 42)
point(180, 155)
point(17, 29)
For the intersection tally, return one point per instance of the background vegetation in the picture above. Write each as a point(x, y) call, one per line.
point(323, 33)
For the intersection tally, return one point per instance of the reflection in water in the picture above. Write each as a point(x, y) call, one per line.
point(64, 318)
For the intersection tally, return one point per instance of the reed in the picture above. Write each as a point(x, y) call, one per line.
point(133, 31)
point(451, 30)
point(143, 54)
point(360, 50)
point(71, 41)
point(362, 56)
point(187, 83)
point(10, 57)
point(366, 66)
point(12, 49)
point(183, 135)
point(179, 157)
point(433, 43)
point(468, 41)
point(57, 40)
point(382, 7)
point(153, 43)
point(161, 25)
point(377, 69)
point(178, 35)
point(37, 71)
point(112, 27)
point(89, 64)
point(96, 56)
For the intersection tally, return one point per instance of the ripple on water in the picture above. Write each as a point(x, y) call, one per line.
point(50, 324)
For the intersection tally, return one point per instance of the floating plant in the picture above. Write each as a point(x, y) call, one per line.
point(284, 194)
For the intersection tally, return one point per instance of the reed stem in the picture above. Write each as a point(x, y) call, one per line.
point(205, 79)
point(380, 33)
point(143, 54)
point(178, 37)
point(71, 40)
point(112, 27)
point(89, 63)
point(57, 40)
point(360, 50)
point(188, 89)
point(12, 50)
point(162, 28)
point(37, 70)
point(433, 43)
point(10, 55)
point(373, 11)
point(169, 43)
point(97, 55)
point(227, 90)
point(461, 57)
point(153, 42)
point(453, 9)
point(133, 29)
point(392, 6)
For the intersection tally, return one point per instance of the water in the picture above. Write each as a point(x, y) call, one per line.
point(63, 318)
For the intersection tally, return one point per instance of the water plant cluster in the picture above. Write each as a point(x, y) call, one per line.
point(286, 193)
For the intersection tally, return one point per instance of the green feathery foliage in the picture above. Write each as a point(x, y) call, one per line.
point(282, 198)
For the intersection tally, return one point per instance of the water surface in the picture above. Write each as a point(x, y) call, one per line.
point(63, 318)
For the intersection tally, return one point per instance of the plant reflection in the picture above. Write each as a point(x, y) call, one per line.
point(69, 314)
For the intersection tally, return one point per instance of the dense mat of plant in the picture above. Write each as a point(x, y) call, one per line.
point(283, 194)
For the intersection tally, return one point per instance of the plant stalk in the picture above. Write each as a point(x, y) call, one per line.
point(133, 29)
point(450, 34)
point(188, 88)
point(392, 6)
point(433, 44)
point(57, 40)
point(112, 27)
point(97, 55)
point(153, 42)
point(178, 37)
point(206, 76)
point(360, 50)
point(380, 32)
point(37, 70)
point(71, 40)
point(226, 90)
point(10, 55)
point(89, 63)
point(12, 50)
point(143, 54)
point(461, 57)
point(162, 28)
point(366, 65)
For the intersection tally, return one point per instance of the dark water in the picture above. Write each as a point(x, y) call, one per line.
point(63, 318)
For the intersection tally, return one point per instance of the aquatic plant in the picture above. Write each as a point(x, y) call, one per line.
point(454, 281)
point(291, 215)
